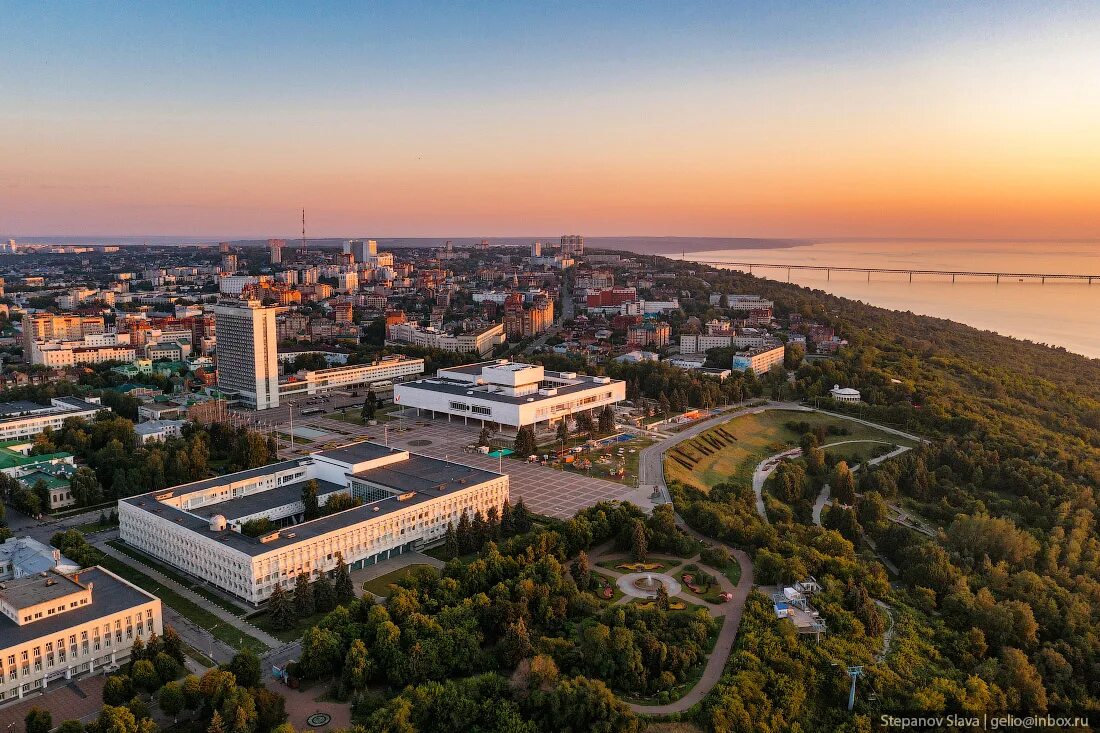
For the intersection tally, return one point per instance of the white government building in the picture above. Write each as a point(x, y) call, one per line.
point(409, 500)
point(56, 627)
point(508, 393)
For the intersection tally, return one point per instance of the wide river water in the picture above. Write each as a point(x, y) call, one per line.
point(1057, 313)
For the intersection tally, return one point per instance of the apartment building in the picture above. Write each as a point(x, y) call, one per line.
point(25, 419)
point(481, 341)
point(761, 359)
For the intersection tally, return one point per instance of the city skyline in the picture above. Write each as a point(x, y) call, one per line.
point(862, 120)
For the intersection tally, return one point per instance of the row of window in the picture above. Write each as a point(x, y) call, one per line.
point(59, 653)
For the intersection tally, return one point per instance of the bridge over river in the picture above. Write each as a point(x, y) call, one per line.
point(829, 270)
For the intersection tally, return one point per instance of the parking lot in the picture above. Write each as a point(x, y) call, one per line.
point(545, 490)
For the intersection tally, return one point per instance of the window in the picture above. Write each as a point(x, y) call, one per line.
point(479, 410)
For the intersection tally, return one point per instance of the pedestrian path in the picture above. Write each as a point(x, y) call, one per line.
point(235, 621)
point(727, 614)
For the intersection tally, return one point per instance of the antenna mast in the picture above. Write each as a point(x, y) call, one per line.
point(303, 250)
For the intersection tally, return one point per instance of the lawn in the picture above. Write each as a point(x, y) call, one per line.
point(194, 613)
point(262, 621)
point(285, 437)
point(180, 578)
point(730, 452)
point(354, 415)
point(380, 586)
point(733, 572)
point(627, 461)
point(856, 453)
point(93, 527)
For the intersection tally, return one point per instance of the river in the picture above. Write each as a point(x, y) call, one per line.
point(1057, 313)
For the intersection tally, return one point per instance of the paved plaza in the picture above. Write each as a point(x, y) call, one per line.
point(79, 699)
point(545, 490)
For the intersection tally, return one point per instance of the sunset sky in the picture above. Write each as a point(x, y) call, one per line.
point(918, 119)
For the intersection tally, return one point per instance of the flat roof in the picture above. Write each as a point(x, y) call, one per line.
point(244, 506)
point(423, 473)
point(34, 589)
point(225, 479)
point(79, 404)
point(455, 387)
point(476, 367)
point(21, 406)
point(421, 476)
point(358, 452)
point(111, 594)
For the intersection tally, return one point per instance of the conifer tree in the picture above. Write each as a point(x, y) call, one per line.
point(303, 596)
point(450, 542)
point(343, 588)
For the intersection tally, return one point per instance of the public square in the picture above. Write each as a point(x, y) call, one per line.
point(545, 490)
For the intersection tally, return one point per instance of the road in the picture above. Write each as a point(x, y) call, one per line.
point(43, 529)
point(651, 472)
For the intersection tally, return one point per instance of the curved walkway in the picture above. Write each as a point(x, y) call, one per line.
point(729, 612)
point(769, 464)
point(888, 635)
point(651, 475)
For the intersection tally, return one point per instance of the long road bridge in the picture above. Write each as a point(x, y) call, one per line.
point(830, 269)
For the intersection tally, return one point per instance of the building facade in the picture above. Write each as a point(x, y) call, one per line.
point(20, 420)
point(760, 360)
point(521, 322)
point(55, 627)
point(248, 352)
point(63, 327)
point(319, 381)
point(507, 393)
point(408, 502)
point(481, 341)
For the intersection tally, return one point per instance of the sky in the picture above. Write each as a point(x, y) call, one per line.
point(821, 119)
